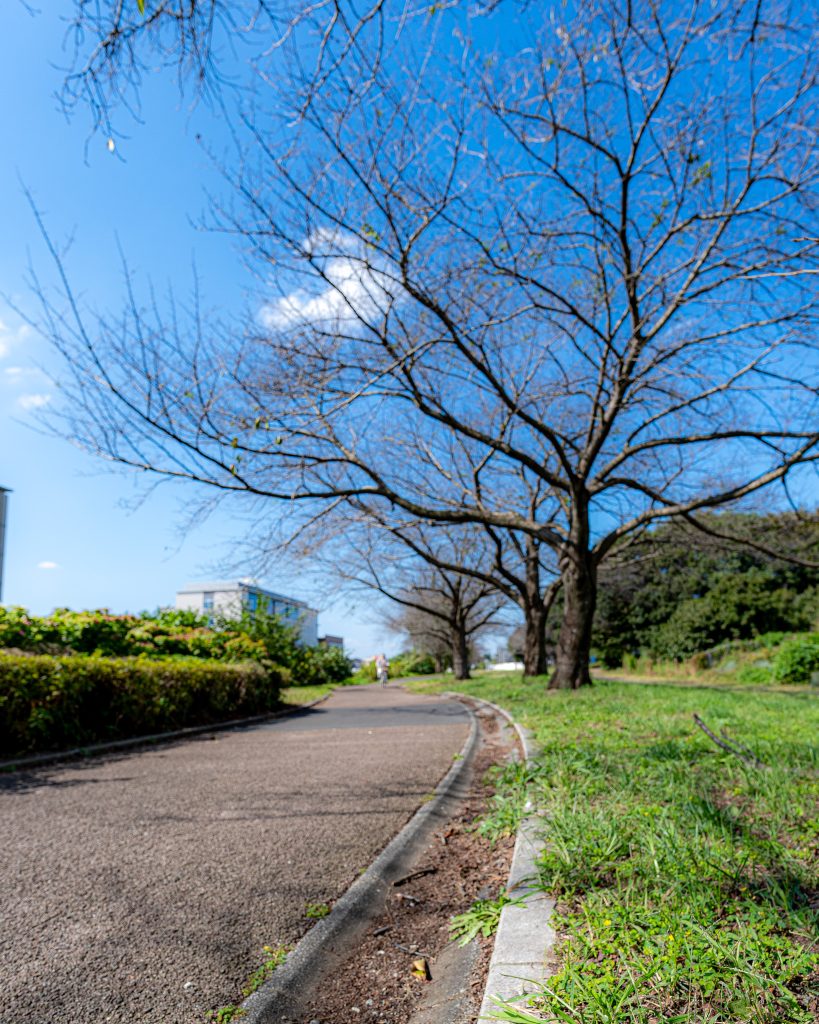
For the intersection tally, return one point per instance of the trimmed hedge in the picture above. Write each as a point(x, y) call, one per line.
point(49, 703)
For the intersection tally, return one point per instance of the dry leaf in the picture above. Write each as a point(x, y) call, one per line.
point(420, 969)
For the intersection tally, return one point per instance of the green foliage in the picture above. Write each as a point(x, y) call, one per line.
point(680, 591)
point(252, 637)
point(367, 673)
point(279, 642)
point(506, 806)
point(316, 911)
point(797, 659)
point(274, 957)
point(482, 918)
point(412, 663)
point(49, 703)
point(688, 881)
point(162, 634)
point(734, 607)
point(319, 666)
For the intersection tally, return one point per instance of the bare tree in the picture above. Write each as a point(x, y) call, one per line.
point(437, 577)
point(508, 562)
point(426, 635)
point(443, 613)
point(577, 255)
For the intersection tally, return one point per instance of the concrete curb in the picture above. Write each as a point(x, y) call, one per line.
point(79, 753)
point(328, 940)
point(525, 933)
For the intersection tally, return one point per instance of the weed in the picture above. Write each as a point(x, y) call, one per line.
point(482, 918)
point(316, 910)
point(274, 956)
point(507, 805)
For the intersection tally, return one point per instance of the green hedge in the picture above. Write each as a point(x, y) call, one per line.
point(49, 703)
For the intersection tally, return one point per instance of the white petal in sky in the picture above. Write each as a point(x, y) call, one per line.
point(36, 401)
point(47, 565)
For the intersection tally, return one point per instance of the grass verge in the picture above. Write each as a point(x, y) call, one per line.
point(293, 696)
point(687, 879)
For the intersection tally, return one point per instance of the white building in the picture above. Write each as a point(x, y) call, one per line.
point(231, 597)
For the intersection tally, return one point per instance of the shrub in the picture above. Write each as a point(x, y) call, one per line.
point(319, 666)
point(412, 663)
point(52, 703)
point(796, 659)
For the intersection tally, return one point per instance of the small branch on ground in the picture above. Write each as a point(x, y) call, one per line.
point(415, 874)
point(744, 754)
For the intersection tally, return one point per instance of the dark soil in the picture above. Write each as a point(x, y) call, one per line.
point(376, 985)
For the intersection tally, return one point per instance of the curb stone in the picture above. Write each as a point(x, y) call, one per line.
point(80, 753)
point(525, 933)
point(325, 944)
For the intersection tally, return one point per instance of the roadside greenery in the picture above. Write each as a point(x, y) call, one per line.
point(482, 918)
point(273, 957)
point(769, 659)
point(257, 637)
point(408, 663)
point(77, 678)
point(54, 703)
point(680, 591)
point(687, 878)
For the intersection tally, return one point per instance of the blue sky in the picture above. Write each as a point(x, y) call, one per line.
point(78, 534)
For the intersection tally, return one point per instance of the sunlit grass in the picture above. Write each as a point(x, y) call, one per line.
point(296, 695)
point(687, 880)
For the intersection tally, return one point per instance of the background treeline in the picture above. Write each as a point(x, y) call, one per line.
point(738, 591)
point(682, 593)
point(76, 678)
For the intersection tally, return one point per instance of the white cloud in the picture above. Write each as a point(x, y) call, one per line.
point(10, 337)
point(21, 371)
point(47, 565)
point(352, 286)
point(34, 401)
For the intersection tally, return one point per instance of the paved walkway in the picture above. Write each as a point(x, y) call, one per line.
point(143, 886)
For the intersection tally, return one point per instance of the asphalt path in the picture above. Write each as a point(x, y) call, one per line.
point(143, 886)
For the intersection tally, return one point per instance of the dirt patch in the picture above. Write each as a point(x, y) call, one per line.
point(379, 984)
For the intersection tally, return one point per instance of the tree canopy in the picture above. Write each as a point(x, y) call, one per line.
point(575, 257)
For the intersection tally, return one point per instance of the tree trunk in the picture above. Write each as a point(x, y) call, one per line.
point(460, 651)
point(579, 583)
point(534, 644)
point(535, 612)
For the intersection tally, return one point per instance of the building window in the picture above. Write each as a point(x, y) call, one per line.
point(207, 600)
point(252, 602)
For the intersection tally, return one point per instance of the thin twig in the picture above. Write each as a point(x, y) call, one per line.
point(749, 758)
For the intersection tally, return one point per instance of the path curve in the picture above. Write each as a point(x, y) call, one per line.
point(143, 886)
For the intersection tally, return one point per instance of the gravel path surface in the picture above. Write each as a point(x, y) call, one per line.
point(143, 886)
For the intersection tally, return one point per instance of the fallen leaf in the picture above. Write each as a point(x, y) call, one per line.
point(420, 969)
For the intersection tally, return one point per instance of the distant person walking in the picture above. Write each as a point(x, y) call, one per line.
point(382, 668)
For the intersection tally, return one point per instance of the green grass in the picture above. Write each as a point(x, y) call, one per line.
point(687, 881)
point(772, 660)
point(293, 696)
point(482, 918)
